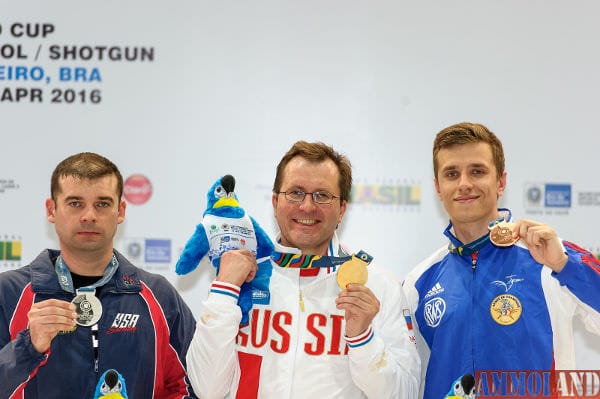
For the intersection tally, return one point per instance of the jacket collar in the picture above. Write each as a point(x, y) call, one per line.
point(44, 279)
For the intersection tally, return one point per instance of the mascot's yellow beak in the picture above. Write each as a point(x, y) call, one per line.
point(221, 202)
point(114, 395)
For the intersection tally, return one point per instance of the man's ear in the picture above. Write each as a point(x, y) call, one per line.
point(501, 184)
point(50, 209)
point(437, 188)
point(121, 215)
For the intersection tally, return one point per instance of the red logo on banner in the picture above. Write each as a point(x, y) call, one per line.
point(137, 189)
point(538, 384)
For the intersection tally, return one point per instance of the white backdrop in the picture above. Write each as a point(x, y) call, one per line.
point(230, 85)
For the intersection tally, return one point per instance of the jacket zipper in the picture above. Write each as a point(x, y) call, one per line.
point(473, 269)
point(301, 300)
point(94, 330)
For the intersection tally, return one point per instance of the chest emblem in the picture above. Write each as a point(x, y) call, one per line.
point(506, 309)
point(433, 311)
point(508, 283)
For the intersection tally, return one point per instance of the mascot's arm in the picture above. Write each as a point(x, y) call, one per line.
point(264, 245)
point(194, 250)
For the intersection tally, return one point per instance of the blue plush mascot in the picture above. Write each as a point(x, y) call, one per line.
point(225, 226)
point(462, 388)
point(111, 385)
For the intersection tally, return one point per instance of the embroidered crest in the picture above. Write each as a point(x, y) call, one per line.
point(506, 309)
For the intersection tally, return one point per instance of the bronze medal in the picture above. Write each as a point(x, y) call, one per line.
point(501, 234)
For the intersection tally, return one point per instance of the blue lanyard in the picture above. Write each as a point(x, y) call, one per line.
point(66, 281)
point(476, 245)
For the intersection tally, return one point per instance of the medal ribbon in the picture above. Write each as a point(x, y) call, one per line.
point(474, 246)
point(66, 281)
point(308, 261)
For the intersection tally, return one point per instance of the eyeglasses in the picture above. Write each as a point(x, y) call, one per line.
point(318, 197)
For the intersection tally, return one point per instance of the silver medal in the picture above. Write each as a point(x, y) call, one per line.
point(88, 308)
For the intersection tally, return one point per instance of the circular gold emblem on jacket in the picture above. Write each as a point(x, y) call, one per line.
point(506, 309)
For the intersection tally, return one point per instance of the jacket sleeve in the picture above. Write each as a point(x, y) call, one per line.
point(18, 362)
point(384, 362)
point(212, 360)
point(412, 296)
point(581, 277)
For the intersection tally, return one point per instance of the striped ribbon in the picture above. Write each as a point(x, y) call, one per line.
point(309, 261)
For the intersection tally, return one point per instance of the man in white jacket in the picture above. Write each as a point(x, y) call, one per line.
point(308, 337)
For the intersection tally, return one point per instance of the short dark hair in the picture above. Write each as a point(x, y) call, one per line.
point(465, 133)
point(85, 165)
point(317, 152)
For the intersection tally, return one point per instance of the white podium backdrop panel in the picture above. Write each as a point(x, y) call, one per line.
point(179, 93)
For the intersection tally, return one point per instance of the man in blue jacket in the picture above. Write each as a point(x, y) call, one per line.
point(73, 314)
point(501, 295)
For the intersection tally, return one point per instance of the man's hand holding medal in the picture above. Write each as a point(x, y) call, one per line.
point(358, 301)
point(49, 318)
point(541, 240)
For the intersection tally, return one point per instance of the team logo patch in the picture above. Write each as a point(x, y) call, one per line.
point(506, 309)
point(124, 322)
point(433, 311)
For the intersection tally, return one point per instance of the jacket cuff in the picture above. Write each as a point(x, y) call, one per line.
point(224, 292)
point(361, 339)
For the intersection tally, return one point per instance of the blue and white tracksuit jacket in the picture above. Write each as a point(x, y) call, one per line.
point(144, 333)
point(506, 313)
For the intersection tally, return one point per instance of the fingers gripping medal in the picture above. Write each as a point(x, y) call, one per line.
point(501, 234)
point(87, 307)
point(354, 271)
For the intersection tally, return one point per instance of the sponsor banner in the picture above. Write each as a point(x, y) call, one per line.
point(148, 253)
point(157, 251)
point(137, 189)
point(588, 198)
point(7, 184)
point(387, 194)
point(10, 251)
point(548, 198)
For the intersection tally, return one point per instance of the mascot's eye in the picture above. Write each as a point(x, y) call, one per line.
point(220, 192)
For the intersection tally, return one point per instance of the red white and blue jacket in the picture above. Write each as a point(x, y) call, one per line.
point(144, 333)
point(506, 312)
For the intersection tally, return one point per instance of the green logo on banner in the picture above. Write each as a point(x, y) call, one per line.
point(10, 250)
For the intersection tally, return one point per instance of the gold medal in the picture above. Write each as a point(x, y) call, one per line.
point(501, 234)
point(353, 271)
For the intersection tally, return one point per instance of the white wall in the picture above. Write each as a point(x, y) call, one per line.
point(234, 84)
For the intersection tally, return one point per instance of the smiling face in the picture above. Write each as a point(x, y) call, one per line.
point(85, 213)
point(468, 185)
point(306, 225)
